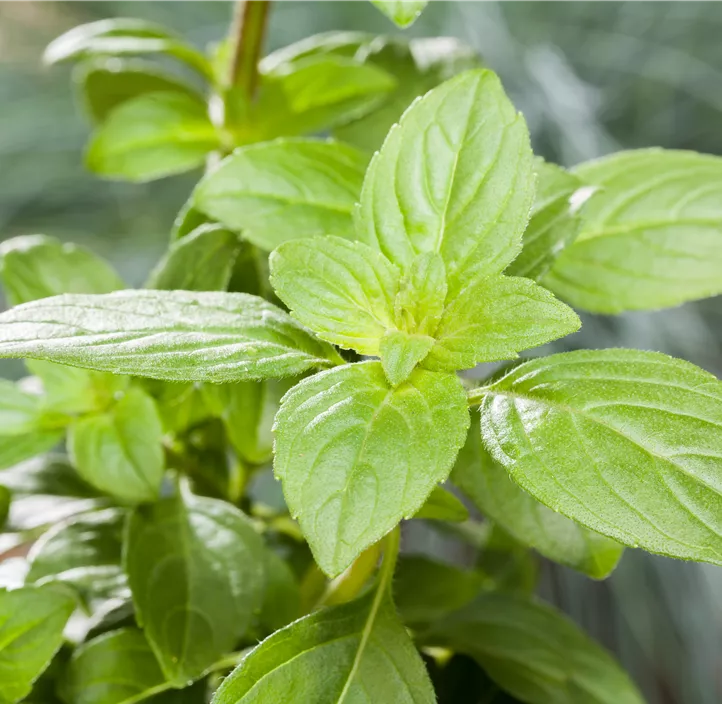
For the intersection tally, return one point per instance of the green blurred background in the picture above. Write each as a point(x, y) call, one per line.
point(591, 78)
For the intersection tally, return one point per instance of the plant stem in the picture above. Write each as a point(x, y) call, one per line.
point(247, 34)
point(476, 396)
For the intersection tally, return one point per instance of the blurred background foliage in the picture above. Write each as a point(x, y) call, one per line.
point(591, 78)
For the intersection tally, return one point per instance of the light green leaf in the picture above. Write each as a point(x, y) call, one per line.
point(121, 36)
point(355, 456)
point(151, 136)
point(535, 653)
point(417, 65)
point(284, 190)
point(344, 291)
point(493, 319)
point(401, 352)
point(554, 221)
point(181, 406)
point(442, 505)
point(169, 335)
point(83, 551)
point(115, 668)
point(455, 177)
point(332, 43)
point(356, 652)
point(31, 631)
point(426, 590)
point(201, 261)
point(420, 301)
point(35, 266)
point(104, 83)
point(625, 442)
point(121, 452)
point(488, 485)
point(17, 448)
point(247, 410)
point(196, 570)
point(187, 220)
point(402, 12)
point(651, 236)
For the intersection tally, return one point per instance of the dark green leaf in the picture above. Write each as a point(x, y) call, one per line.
point(651, 236)
point(442, 505)
point(31, 631)
point(151, 136)
point(169, 335)
point(402, 12)
point(282, 594)
point(35, 266)
point(120, 452)
point(488, 485)
point(535, 653)
point(283, 190)
point(625, 442)
point(4, 504)
point(196, 571)
point(355, 455)
point(455, 177)
point(200, 261)
point(510, 566)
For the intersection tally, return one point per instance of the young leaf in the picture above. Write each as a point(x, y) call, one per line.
point(115, 668)
point(651, 235)
point(417, 65)
point(493, 319)
point(121, 36)
point(169, 335)
point(419, 303)
point(120, 452)
point(196, 570)
point(402, 12)
point(488, 485)
point(344, 291)
point(31, 631)
point(83, 551)
point(247, 410)
point(284, 190)
point(35, 266)
point(442, 505)
point(105, 83)
point(201, 261)
point(151, 136)
point(356, 652)
point(624, 442)
point(401, 352)
point(455, 177)
point(558, 662)
point(554, 221)
point(355, 456)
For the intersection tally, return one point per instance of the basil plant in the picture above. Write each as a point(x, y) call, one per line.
point(315, 312)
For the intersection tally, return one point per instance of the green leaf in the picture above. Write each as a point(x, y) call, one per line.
point(580, 430)
point(35, 266)
point(169, 335)
point(121, 36)
point(420, 301)
point(442, 505)
point(488, 485)
point(284, 190)
point(50, 475)
point(83, 551)
point(247, 410)
point(31, 631)
point(356, 652)
point(5, 498)
point(105, 83)
point(402, 12)
point(417, 65)
point(493, 319)
point(554, 221)
point(426, 590)
point(196, 570)
point(401, 352)
point(152, 136)
point(355, 456)
point(535, 653)
point(651, 235)
point(17, 448)
point(510, 566)
point(181, 406)
point(201, 261)
point(282, 594)
point(115, 668)
point(455, 177)
point(344, 291)
point(120, 452)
